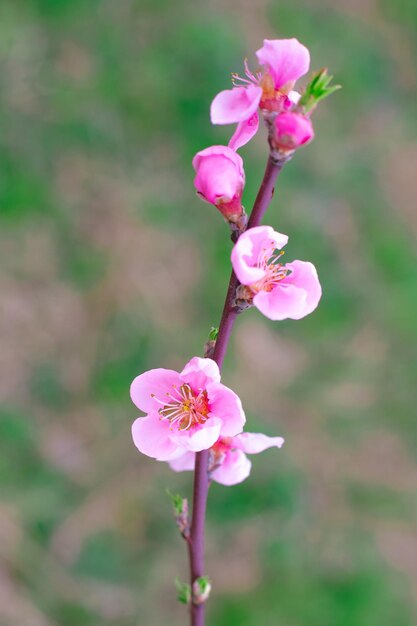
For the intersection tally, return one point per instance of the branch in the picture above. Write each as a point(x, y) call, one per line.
point(201, 477)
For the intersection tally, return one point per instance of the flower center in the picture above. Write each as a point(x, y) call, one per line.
point(273, 99)
point(184, 408)
point(268, 260)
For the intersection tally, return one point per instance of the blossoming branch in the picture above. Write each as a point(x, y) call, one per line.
point(193, 421)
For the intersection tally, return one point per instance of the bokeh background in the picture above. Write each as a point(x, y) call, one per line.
point(110, 265)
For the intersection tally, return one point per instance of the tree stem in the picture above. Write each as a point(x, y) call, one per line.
point(201, 477)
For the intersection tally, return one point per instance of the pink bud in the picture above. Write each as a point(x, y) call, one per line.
point(290, 131)
point(220, 179)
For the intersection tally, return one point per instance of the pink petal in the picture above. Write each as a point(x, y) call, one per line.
point(234, 469)
point(183, 463)
point(304, 276)
point(291, 130)
point(225, 151)
point(286, 60)
point(294, 297)
point(199, 373)
point(158, 383)
point(199, 437)
point(248, 249)
point(219, 175)
point(235, 105)
point(281, 303)
point(151, 436)
point(253, 443)
point(226, 405)
point(244, 132)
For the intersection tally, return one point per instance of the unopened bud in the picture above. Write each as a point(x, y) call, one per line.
point(211, 342)
point(201, 590)
point(220, 179)
point(289, 131)
point(180, 509)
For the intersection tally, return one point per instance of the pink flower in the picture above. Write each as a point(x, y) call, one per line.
point(278, 291)
point(185, 411)
point(220, 179)
point(284, 61)
point(228, 463)
point(290, 131)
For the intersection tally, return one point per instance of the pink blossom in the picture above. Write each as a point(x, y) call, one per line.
point(228, 462)
point(220, 179)
point(278, 291)
point(290, 131)
point(284, 61)
point(186, 411)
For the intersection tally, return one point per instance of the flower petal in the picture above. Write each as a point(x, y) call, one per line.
point(183, 463)
point(297, 295)
point(253, 443)
point(199, 437)
point(293, 97)
point(248, 249)
point(291, 130)
point(219, 150)
point(304, 276)
point(286, 60)
point(235, 105)
point(199, 373)
point(156, 382)
point(151, 436)
point(281, 303)
point(234, 469)
point(218, 176)
point(244, 132)
point(226, 405)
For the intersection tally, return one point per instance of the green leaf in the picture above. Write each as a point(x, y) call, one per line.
point(318, 88)
point(178, 502)
point(183, 591)
point(213, 333)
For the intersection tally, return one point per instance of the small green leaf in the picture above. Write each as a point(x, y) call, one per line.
point(183, 591)
point(318, 88)
point(203, 583)
point(213, 333)
point(177, 501)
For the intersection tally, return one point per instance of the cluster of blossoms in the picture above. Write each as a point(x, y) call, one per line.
point(284, 62)
point(191, 411)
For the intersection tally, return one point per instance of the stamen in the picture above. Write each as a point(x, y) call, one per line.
point(254, 78)
point(187, 409)
point(251, 78)
point(158, 400)
point(268, 260)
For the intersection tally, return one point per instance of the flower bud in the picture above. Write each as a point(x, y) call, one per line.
point(201, 590)
point(220, 179)
point(290, 131)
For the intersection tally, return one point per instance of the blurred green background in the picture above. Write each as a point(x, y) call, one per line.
point(110, 265)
